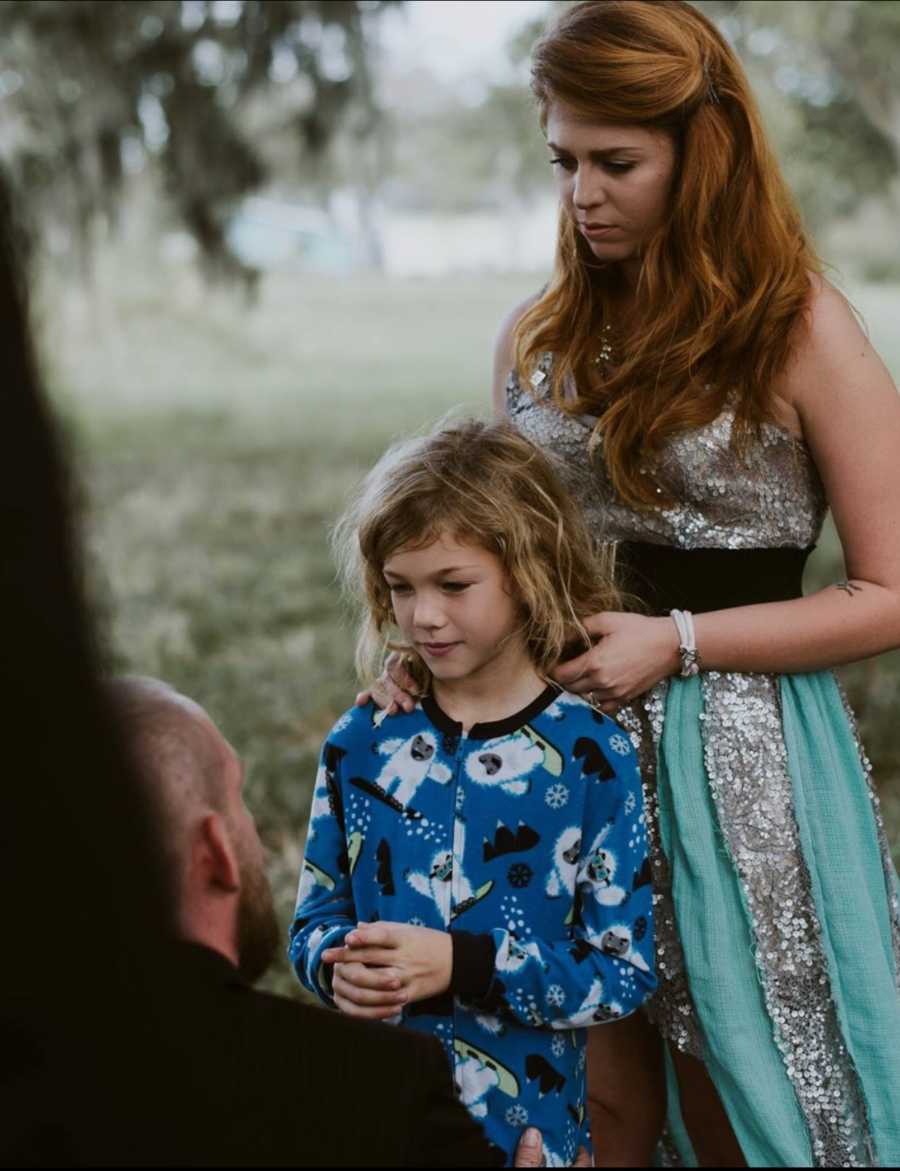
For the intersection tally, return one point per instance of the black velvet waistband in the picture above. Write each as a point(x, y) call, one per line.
point(665, 578)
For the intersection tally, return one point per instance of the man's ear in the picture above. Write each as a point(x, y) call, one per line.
point(214, 854)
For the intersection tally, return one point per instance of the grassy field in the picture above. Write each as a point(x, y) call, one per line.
point(217, 444)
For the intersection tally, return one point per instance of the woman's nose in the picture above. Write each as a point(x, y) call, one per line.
point(589, 189)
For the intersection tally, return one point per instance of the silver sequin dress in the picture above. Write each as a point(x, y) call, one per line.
point(770, 497)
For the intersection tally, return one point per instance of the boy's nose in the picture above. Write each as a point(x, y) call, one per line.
point(428, 614)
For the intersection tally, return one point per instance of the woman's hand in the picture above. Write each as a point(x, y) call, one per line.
point(394, 690)
point(419, 959)
point(632, 653)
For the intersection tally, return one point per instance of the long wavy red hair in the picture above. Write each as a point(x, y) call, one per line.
point(723, 283)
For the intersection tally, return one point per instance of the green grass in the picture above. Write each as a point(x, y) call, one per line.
point(217, 444)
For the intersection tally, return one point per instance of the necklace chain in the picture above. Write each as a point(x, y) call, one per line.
point(607, 350)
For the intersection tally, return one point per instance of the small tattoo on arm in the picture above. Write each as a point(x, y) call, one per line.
point(848, 587)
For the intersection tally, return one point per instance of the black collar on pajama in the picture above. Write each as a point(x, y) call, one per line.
point(494, 728)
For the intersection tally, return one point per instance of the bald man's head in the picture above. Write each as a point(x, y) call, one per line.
point(212, 852)
point(179, 751)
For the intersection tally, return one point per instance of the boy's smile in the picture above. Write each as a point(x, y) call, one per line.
point(453, 603)
point(437, 649)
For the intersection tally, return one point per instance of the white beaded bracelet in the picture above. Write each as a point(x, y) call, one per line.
point(690, 659)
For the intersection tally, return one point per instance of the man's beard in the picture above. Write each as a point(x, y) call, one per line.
point(258, 934)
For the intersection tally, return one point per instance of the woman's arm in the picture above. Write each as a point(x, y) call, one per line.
point(848, 408)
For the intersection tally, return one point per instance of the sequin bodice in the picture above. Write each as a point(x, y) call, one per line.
point(771, 496)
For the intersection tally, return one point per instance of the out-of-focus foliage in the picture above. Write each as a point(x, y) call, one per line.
point(469, 149)
point(460, 156)
point(827, 76)
point(94, 89)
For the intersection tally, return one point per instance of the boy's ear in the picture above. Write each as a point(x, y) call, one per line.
point(215, 855)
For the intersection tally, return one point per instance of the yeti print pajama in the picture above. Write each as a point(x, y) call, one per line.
point(526, 840)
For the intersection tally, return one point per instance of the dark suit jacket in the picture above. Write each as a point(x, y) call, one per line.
point(296, 1085)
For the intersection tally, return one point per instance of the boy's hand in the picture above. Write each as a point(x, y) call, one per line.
point(419, 957)
point(371, 993)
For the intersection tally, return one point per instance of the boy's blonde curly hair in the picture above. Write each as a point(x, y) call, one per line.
point(484, 484)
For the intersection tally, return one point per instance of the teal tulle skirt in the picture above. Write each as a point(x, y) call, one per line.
point(855, 898)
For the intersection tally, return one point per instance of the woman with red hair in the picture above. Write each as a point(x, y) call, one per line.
point(707, 394)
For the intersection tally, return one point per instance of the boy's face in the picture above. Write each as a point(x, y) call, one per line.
point(454, 604)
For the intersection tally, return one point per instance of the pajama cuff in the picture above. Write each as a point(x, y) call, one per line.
point(473, 965)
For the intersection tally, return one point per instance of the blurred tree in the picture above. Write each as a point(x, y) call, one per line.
point(462, 156)
point(826, 75)
point(91, 90)
point(475, 146)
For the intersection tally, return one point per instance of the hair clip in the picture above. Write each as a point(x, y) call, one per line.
point(712, 94)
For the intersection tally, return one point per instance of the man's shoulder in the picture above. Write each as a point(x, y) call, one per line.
point(377, 1045)
point(312, 1045)
point(286, 1073)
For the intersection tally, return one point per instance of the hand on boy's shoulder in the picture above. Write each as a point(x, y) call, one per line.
point(394, 691)
point(360, 720)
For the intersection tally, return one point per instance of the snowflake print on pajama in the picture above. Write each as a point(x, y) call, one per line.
point(523, 838)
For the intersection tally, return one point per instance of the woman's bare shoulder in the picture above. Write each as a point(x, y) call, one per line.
point(504, 351)
point(830, 339)
point(835, 372)
point(833, 329)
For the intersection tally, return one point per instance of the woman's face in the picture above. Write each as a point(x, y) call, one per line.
point(614, 181)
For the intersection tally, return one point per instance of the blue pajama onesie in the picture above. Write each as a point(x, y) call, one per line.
point(525, 839)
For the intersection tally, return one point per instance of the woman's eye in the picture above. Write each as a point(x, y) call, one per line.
point(397, 588)
point(617, 168)
point(456, 587)
point(566, 164)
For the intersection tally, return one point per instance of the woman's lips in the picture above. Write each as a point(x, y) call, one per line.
point(598, 231)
